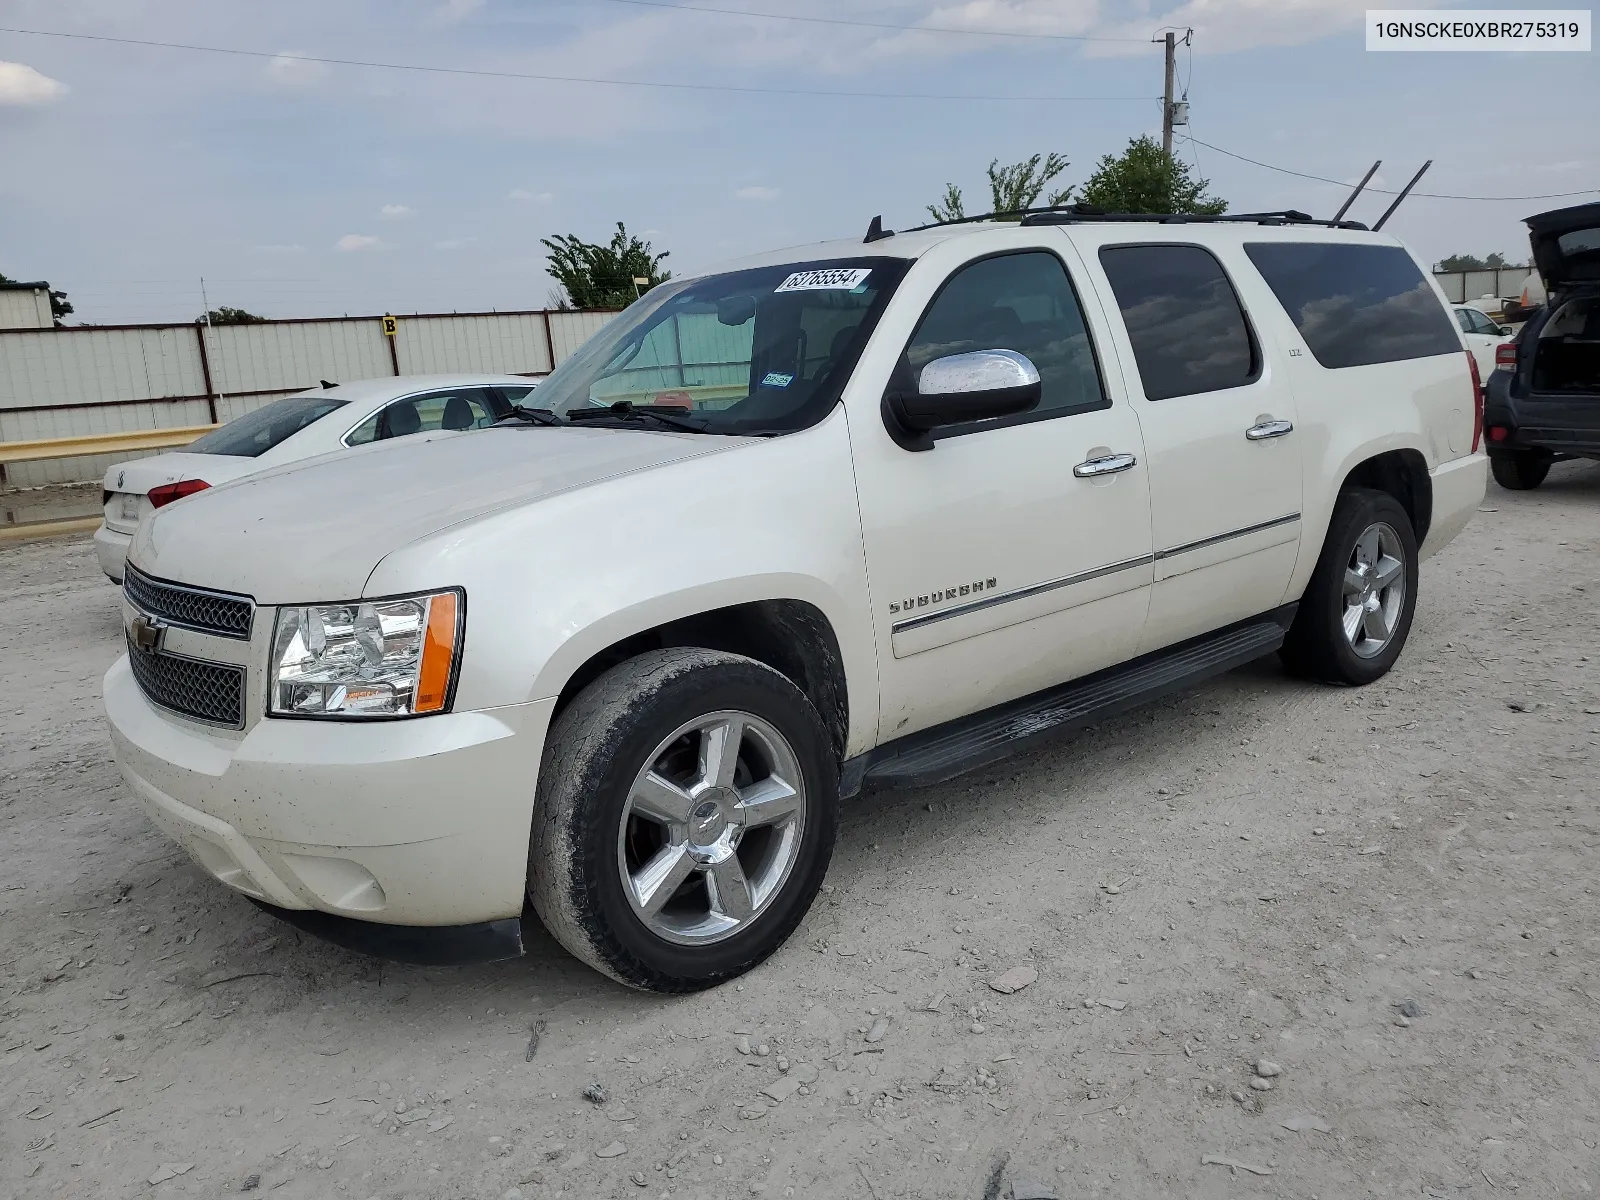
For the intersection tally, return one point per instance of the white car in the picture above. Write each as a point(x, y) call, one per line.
point(867, 512)
point(1482, 335)
point(297, 427)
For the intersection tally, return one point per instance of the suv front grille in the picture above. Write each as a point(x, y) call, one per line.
point(209, 692)
point(193, 608)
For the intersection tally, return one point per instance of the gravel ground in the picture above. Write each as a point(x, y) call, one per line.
point(1258, 869)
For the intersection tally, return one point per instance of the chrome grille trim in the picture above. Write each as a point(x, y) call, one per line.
point(219, 613)
point(202, 691)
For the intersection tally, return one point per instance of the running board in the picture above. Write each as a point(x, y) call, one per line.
point(948, 750)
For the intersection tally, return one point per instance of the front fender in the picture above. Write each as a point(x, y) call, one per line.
point(554, 582)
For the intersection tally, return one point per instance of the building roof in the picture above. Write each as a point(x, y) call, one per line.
point(15, 286)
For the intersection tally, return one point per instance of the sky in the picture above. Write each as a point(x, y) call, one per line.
point(302, 188)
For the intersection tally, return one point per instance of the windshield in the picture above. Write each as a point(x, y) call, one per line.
point(763, 350)
point(257, 432)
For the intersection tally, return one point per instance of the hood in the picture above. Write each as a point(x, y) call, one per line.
point(142, 474)
point(1566, 245)
point(315, 530)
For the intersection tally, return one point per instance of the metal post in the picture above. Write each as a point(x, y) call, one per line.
point(1406, 191)
point(549, 342)
point(213, 394)
point(1166, 105)
point(1345, 207)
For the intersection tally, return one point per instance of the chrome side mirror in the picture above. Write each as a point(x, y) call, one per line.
point(976, 386)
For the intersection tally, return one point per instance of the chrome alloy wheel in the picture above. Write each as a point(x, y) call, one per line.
point(712, 827)
point(1374, 590)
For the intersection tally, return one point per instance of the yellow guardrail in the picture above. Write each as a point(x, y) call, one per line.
point(34, 530)
point(100, 443)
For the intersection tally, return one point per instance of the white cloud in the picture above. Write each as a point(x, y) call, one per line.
point(457, 10)
point(291, 69)
point(536, 197)
point(758, 193)
point(21, 85)
point(396, 212)
point(357, 241)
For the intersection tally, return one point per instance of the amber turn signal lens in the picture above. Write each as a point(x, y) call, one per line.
point(438, 654)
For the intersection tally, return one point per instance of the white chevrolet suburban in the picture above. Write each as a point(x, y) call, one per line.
point(873, 511)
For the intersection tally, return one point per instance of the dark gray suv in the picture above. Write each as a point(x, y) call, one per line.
point(1542, 402)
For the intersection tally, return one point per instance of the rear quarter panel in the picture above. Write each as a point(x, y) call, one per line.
point(1348, 415)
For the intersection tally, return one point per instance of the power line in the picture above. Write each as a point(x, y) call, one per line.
point(635, 83)
point(1384, 191)
point(995, 33)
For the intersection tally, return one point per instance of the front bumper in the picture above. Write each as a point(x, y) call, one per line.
point(401, 823)
point(111, 548)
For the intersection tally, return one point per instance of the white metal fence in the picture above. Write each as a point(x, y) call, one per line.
point(1461, 286)
point(120, 378)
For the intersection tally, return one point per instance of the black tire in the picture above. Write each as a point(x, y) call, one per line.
point(596, 748)
point(1317, 646)
point(1519, 471)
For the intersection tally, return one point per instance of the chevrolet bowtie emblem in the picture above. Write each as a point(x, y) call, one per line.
point(146, 632)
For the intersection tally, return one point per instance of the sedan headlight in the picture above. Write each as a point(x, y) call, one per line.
point(368, 658)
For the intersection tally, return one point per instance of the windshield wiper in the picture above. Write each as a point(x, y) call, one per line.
point(534, 416)
point(626, 410)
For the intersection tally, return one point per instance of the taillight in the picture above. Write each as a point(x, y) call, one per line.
point(1477, 403)
point(1505, 356)
point(168, 492)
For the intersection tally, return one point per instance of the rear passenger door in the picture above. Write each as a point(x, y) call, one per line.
point(1218, 419)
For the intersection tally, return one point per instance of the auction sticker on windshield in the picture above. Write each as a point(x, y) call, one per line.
point(838, 279)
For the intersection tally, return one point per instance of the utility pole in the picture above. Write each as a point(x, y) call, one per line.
point(1166, 104)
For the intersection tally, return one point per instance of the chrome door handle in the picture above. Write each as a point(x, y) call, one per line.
point(1108, 465)
point(1269, 429)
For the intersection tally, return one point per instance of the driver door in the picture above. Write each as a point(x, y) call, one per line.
point(995, 570)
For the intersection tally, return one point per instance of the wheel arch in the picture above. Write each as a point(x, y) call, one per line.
point(1392, 465)
point(794, 637)
point(1403, 474)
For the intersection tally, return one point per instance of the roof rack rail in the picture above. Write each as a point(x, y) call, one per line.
point(1071, 214)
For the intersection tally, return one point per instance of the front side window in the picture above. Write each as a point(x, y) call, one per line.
point(1184, 320)
point(257, 432)
point(1023, 302)
point(1356, 304)
point(764, 350)
point(458, 409)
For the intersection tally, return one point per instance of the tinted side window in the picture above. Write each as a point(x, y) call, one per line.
point(1022, 302)
point(1463, 320)
point(466, 409)
point(1184, 320)
point(1356, 304)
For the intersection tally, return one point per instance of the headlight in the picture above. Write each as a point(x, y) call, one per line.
point(370, 658)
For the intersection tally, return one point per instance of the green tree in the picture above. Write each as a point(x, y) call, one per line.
point(1144, 178)
point(1470, 262)
point(60, 306)
point(1011, 188)
point(595, 275)
point(228, 316)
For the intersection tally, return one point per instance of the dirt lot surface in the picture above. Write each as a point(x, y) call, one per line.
point(1258, 869)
